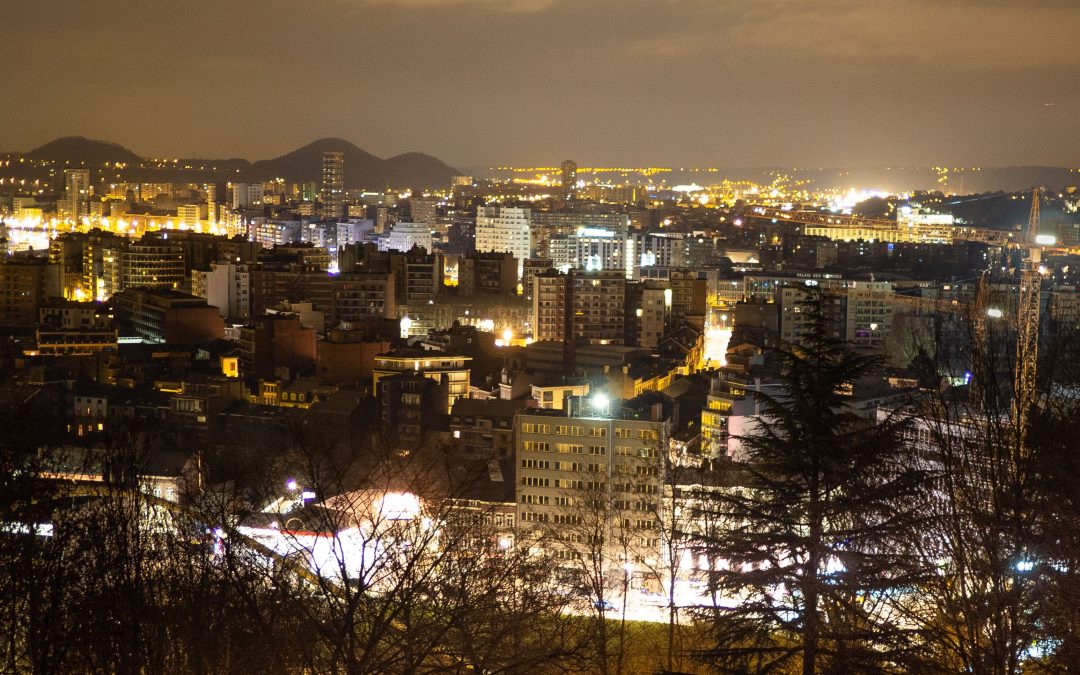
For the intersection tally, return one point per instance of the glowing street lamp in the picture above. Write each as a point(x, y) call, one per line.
point(600, 401)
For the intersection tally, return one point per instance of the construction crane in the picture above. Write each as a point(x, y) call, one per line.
point(1027, 321)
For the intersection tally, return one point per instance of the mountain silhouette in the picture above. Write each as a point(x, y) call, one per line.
point(362, 168)
point(80, 149)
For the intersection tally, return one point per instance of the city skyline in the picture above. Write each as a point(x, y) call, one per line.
point(540, 336)
point(702, 84)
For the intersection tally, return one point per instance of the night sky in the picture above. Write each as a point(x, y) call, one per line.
point(475, 82)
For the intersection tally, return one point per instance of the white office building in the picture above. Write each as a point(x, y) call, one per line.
point(403, 236)
point(504, 228)
point(245, 195)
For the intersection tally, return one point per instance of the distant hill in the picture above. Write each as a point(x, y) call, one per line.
point(1006, 210)
point(361, 168)
point(417, 168)
point(80, 149)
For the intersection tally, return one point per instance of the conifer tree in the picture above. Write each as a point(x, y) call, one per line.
point(805, 558)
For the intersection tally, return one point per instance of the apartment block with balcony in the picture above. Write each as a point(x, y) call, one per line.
point(453, 371)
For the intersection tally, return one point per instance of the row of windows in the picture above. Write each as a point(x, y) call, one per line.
point(630, 451)
point(635, 488)
point(594, 432)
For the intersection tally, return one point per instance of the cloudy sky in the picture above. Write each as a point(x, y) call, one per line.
point(729, 83)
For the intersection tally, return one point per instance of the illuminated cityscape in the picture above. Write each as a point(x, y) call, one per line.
point(791, 401)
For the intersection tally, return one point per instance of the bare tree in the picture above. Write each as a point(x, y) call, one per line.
point(1003, 552)
point(408, 575)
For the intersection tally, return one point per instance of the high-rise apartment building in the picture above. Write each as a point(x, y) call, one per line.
point(568, 169)
point(505, 228)
point(332, 194)
point(591, 305)
point(211, 203)
point(599, 306)
point(418, 276)
point(114, 264)
point(96, 247)
point(153, 263)
point(76, 202)
point(552, 297)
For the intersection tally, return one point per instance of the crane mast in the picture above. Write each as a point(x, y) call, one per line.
point(1027, 324)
